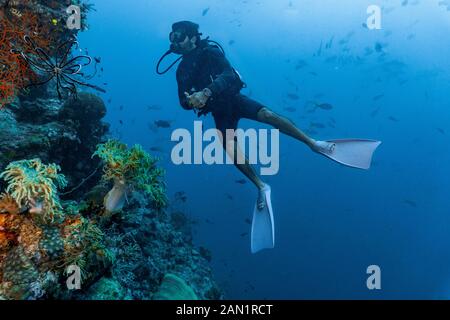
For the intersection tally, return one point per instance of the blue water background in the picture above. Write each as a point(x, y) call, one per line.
point(331, 221)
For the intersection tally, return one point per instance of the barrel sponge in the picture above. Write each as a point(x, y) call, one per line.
point(174, 288)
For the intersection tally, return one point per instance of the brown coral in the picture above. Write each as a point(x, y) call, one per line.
point(6, 240)
point(29, 238)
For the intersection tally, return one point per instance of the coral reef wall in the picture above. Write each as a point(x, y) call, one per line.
point(76, 207)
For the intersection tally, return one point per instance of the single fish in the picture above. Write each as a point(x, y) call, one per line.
point(375, 112)
point(241, 181)
point(162, 124)
point(290, 109)
point(248, 221)
point(181, 196)
point(300, 64)
point(445, 3)
point(293, 96)
point(156, 149)
point(378, 97)
point(154, 107)
point(378, 47)
point(411, 203)
point(393, 119)
point(323, 106)
point(244, 234)
point(205, 11)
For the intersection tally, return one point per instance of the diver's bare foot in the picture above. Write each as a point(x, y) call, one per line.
point(323, 147)
point(261, 202)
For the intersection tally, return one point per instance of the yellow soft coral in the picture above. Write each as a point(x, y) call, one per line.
point(130, 167)
point(31, 181)
point(83, 240)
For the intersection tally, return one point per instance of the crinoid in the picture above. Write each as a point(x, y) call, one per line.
point(62, 67)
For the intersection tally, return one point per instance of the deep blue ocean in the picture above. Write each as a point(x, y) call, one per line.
point(331, 221)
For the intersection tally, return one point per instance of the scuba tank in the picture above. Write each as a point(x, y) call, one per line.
point(240, 85)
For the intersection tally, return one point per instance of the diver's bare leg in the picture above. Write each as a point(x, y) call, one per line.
point(242, 163)
point(283, 124)
point(286, 126)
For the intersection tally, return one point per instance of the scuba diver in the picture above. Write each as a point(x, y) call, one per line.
point(207, 83)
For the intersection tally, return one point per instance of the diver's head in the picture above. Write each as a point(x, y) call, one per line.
point(184, 37)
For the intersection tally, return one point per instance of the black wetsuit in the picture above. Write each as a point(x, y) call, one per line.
point(207, 67)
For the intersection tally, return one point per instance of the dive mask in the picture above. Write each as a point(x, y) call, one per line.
point(177, 37)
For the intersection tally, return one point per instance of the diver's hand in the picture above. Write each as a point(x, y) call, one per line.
point(198, 99)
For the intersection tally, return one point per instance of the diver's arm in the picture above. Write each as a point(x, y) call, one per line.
point(224, 80)
point(181, 92)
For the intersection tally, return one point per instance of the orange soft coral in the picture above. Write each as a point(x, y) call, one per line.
point(9, 210)
point(8, 205)
point(14, 72)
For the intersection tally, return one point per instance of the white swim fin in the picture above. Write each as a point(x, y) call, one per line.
point(263, 229)
point(356, 153)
